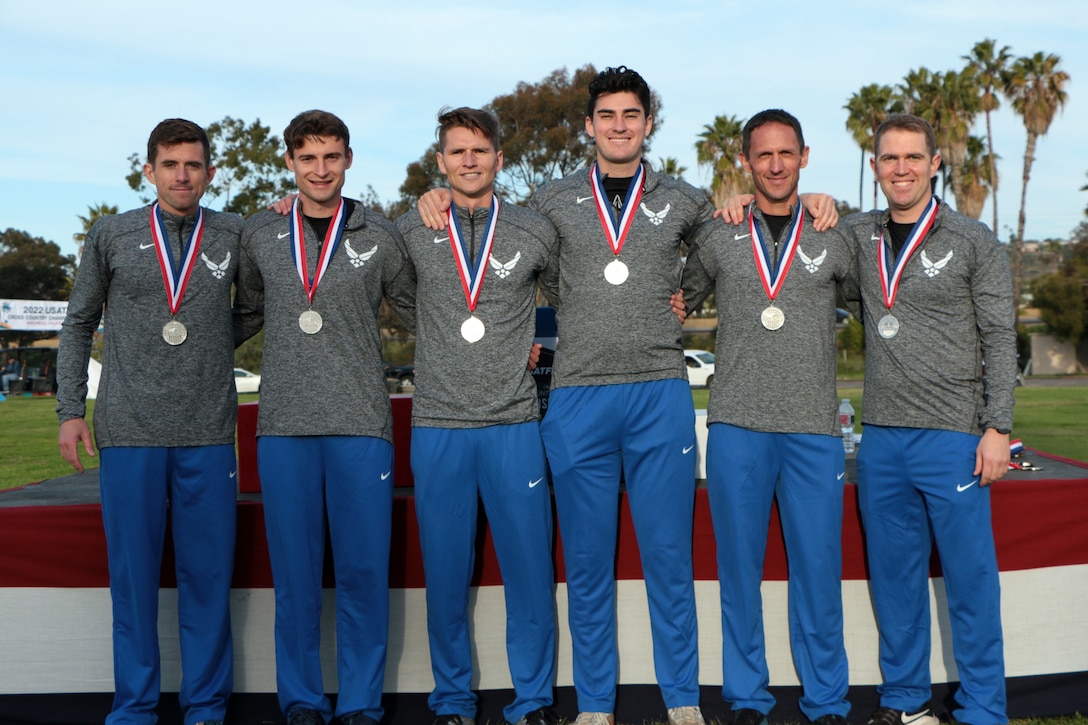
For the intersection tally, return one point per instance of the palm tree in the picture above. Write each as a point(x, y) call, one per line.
point(719, 147)
point(867, 109)
point(1034, 86)
point(94, 213)
point(989, 65)
point(950, 102)
point(670, 166)
point(977, 182)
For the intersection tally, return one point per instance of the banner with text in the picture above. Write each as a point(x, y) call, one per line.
point(32, 315)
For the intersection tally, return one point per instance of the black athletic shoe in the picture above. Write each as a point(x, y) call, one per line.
point(357, 718)
point(748, 716)
point(305, 717)
point(888, 716)
point(829, 719)
point(454, 720)
point(543, 716)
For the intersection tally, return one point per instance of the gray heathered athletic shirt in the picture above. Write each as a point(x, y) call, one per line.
point(332, 382)
point(152, 393)
point(472, 385)
point(955, 309)
point(780, 381)
point(612, 334)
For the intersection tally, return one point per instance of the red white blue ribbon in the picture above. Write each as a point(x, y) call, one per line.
point(175, 277)
point(298, 247)
point(616, 229)
point(889, 276)
point(472, 277)
point(773, 278)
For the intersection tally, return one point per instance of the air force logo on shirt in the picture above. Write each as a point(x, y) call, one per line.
point(358, 260)
point(932, 268)
point(219, 271)
point(503, 270)
point(812, 264)
point(656, 217)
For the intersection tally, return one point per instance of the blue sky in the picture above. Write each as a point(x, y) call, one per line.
point(84, 83)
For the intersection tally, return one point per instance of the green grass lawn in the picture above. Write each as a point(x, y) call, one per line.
point(28, 441)
point(1050, 419)
point(1054, 420)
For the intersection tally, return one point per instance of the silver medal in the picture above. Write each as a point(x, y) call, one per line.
point(472, 329)
point(174, 332)
point(616, 272)
point(888, 327)
point(310, 322)
point(772, 318)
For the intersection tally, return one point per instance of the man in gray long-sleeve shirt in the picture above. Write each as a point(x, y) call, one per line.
point(938, 306)
point(773, 429)
point(314, 279)
point(164, 420)
point(621, 399)
point(475, 429)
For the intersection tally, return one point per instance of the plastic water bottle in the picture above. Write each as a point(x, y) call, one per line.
point(846, 420)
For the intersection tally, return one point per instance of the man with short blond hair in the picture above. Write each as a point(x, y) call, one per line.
point(475, 421)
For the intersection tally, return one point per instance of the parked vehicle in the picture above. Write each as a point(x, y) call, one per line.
point(700, 367)
point(402, 378)
point(246, 382)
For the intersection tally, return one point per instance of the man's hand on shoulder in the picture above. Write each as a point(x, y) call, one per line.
point(72, 433)
point(825, 214)
point(733, 211)
point(432, 208)
point(283, 206)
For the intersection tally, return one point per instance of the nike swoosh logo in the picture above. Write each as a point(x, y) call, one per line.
point(386, 475)
point(583, 198)
point(281, 236)
point(147, 246)
point(687, 450)
point(961, 488)
point(532, 484)
point(233, 474)
point(912, 718)
point(738, 237)
point(874, 238)
point(439, 241)
point(839, 477)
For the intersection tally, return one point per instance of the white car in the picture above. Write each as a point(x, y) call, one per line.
point(246, 382)
point(700, 367)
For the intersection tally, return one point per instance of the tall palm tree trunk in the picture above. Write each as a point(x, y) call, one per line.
point(993, 170)
point(1018, 243)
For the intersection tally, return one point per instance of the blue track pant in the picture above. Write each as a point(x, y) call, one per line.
point(914, 484)
point(746, 471)
point(349, 479)
point(647, 430)
point(504, 466)
point(196, 487)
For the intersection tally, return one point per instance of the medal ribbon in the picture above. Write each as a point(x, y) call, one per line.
point(889, 277)
point(175, 278)
point(298, 246)
point(773, 279)
point(472, 278)
point(616, 231)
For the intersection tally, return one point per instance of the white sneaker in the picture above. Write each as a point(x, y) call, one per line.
point(594, 718)
point(690, 715)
